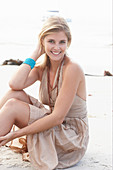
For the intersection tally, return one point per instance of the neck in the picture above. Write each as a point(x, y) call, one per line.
point(54, 65)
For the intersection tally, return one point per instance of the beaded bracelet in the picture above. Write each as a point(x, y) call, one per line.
point(30, 62)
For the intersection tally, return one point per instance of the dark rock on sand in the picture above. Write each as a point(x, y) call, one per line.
point(12, 62)
point(107, 73)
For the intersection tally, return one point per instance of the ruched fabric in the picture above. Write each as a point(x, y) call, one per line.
point(61, 146)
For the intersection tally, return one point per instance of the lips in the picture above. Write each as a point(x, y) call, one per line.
point(56, 53)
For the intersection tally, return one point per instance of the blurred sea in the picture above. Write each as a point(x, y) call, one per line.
point(91, 27)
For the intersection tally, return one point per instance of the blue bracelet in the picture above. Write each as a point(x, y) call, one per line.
point(30, 62)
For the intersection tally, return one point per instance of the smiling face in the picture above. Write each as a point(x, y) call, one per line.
point(55, 45)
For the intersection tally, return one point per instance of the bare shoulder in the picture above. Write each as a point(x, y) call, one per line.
point(73, 69)
point(74, 76)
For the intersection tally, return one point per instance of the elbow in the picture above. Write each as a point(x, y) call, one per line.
point(13, 86)
point(59, 121)
point(57, 118)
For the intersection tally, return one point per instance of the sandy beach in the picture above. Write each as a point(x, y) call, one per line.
point(99, 105)
point(91, 47)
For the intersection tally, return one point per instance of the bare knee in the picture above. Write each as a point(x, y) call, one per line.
point(20, 95)
point(11, 104)
point(19, 111)
point(8, 110)
point(16, 94)
point(9, 95)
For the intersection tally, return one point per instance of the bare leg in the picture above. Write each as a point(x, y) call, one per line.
point(14, 110)
point(20, 95)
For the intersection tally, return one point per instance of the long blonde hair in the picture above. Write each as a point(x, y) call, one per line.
point(54, 24)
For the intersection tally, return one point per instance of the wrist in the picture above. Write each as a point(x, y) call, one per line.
point(14, 135)
point(29, 61)
point(36, 54)
point(18, 133)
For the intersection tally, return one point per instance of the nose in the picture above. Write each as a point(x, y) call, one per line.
point(56, 47)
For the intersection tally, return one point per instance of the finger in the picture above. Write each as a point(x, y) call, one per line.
point(3, 143)
point(2, 138)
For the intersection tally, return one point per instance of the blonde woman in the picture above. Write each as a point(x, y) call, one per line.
point(56, 137)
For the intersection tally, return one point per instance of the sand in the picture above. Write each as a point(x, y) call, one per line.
point(99, 102)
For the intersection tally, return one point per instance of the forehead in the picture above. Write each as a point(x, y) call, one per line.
point(57, 36)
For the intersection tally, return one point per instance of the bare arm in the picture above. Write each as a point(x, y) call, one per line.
point(24, 76)
point(63, 103)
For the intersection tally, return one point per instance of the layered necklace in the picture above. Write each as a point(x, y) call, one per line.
point(57, 82)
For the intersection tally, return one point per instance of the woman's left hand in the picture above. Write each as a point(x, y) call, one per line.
point(7, 138)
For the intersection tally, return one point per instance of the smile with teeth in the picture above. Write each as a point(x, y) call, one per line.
point(55, 53)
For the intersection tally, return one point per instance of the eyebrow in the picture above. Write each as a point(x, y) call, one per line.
point(54, 39)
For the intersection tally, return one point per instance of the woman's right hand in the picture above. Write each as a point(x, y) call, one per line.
point(41, 48)
point(38, 52)
point(24, 77)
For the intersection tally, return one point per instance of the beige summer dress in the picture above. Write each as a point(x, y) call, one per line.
point(61, 146)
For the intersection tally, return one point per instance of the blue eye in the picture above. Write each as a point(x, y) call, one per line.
point(51, 41)
point(62, 42)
